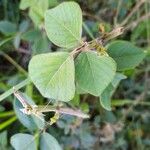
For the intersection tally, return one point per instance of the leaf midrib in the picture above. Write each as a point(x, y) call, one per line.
point(56, 73)
point(91, 71)
point(66, 29)
point(47, 142)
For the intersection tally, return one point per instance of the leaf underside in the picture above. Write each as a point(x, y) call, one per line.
point(23, 141)
point(126, 55)
point(48, 142)
point(94, 72)
point(105, 97)
point(53, 75)
point(63, 24)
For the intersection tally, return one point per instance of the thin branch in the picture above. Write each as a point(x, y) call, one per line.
point(13, 62)
point(117, 13)
point(100, 40)
point(92, 16)
point(136, 7)
point(147, 23)
point(22, 50)
point(21, 98)
point(38, 110)
point(136, 102)
point(65, 110)
point(17, 87)
point(113, 34)
point(135, 23)
point(86, 28)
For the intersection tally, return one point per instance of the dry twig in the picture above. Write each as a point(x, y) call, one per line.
point(136, 7)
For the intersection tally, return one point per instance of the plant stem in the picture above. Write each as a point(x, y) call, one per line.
point(6, 114)
point(135, 23)
point(147, 24)
point(88, 31)
point(8, 122)
point(122, 102)
point(117, 13)
point(17, 87)
point(136, 7)
point(5, 41)
point(13, 62)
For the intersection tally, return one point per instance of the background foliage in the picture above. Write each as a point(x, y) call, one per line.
point(22, 35)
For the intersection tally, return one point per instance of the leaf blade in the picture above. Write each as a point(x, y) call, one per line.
point(94, 72)
point(29, 121)
point(63, 24)
point(48, 142)
point(126, 55)
point(23, 141)
point(53, 75)
point(105, 97)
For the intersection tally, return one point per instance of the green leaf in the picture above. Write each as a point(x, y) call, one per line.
point(23, 142)
point(125, 54)
point(24, 4)
point(31, 35)
point(84, 107)
point(39, 41)
point(40, 7)
point(94, 72)
point(40, 45)
point(29, 121)
point(48, 142)
point(63, 25)
point(118, 77)
point(3, 140)
point(53, 3)
point(37, 11)
point(79, 90)
point(105, 97)
point(7, 28)
point(76, 100)
point(23, 26)
point(53, 75)
point(36, 18)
